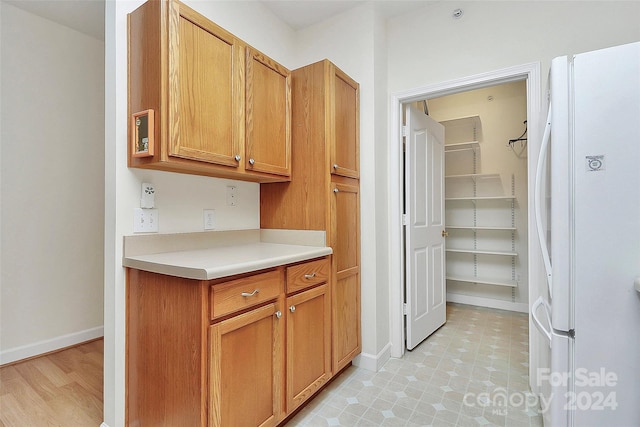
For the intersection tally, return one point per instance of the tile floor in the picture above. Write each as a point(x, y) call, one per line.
point(460, 376)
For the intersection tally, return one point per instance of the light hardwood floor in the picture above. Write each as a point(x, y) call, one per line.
point(58, 389)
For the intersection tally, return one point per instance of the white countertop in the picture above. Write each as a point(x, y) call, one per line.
point(224, 260)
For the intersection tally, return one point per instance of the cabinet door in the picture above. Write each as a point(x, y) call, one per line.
point(248, 390)
point(308, 344)
point(345, 241)
point(206, 90)
point(268, 115)
point(345, 123)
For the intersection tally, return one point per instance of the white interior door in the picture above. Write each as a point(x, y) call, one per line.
point(425, 293)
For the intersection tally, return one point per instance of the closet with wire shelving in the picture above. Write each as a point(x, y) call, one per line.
point(480, 217)
point(485, 199)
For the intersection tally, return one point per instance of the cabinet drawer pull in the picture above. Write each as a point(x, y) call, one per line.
point(310, 276)
point(278, 314)
point(292, 308)
point(247, 294)
point(335, 166)
point(335, 190)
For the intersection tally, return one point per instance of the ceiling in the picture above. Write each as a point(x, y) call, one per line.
point(304, 13)
point(87, 16)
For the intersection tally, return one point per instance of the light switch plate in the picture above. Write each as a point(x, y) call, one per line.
point(145, 220)
point(209, 218)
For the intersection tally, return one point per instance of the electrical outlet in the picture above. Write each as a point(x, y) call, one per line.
point(209, 219)
point(145, 220)
point(147, 198)
point(232, 195)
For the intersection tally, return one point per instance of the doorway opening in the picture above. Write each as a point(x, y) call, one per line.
point(527, 75)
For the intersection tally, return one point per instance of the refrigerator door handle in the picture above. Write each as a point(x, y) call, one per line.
point(547, 309)
point(538, 202)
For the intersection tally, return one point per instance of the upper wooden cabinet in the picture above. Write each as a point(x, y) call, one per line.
point(325, 148)
point(344, 123)
point(206, 119)
point(221, 107)
point(268, 115)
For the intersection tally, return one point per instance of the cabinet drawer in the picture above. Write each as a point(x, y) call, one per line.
point(239, 294)
point(311, 273)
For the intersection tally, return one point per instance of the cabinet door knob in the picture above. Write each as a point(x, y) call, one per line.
point(335, 190)
point(445, 233)
point(278, 314)
point(292, 308)
point(237, 157)
point(335, 166)
point(310, 276)
point(247, 294)
point(251, 161)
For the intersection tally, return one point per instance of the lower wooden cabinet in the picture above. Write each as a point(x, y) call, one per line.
point(346, 321)
point(308, 344)
point(246, 367)
point(166, 350)
point(243, 351)
point(345, 240)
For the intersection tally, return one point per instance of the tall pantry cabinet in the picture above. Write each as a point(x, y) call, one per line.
point(324, 190)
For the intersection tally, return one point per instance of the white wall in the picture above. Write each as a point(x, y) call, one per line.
point(52, 210)
point(429, 46)
point(382, 225)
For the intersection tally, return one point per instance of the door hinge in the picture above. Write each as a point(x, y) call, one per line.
point(404, 309)
point(404, 131)
point(404, 219)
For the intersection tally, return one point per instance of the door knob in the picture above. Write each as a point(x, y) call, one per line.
point(445, 233)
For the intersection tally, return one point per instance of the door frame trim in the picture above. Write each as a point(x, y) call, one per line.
point(531, 74)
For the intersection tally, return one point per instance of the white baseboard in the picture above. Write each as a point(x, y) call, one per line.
point(104, 425)
point(373, 362)
point(488, 302)
point(46, 346)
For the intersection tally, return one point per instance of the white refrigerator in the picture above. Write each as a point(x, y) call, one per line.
point(589, 214)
